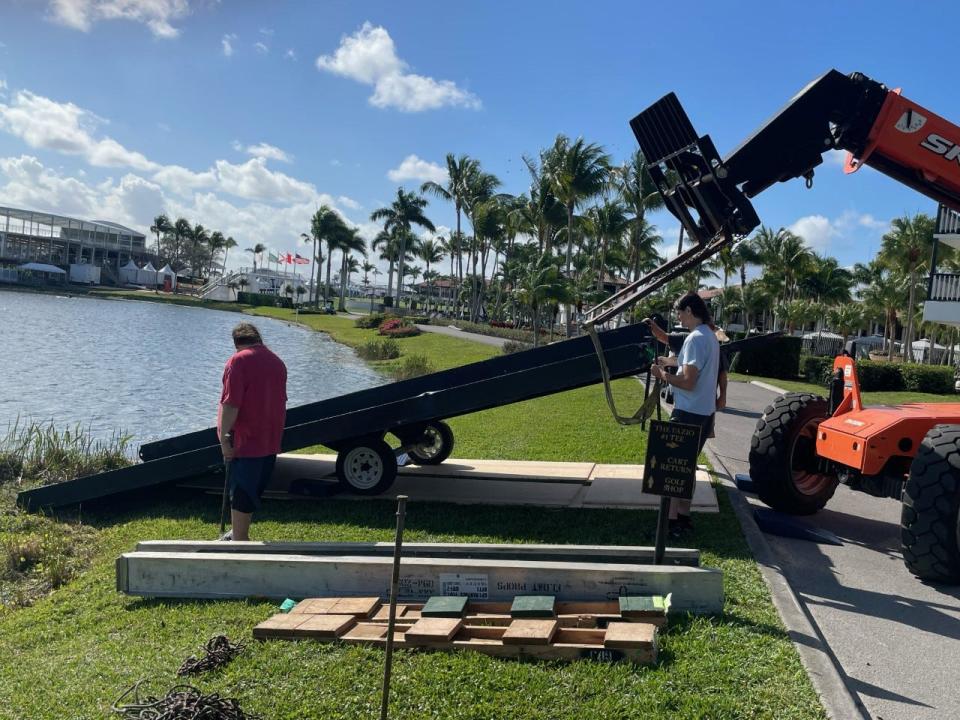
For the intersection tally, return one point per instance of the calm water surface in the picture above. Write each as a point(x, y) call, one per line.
point(146, 369)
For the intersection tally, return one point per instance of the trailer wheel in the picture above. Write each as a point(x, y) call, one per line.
point(367, 467)
point(436, 445)
point(929, 522)
point(784, 466)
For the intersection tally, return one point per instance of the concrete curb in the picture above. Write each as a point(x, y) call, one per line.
point(823, 669)
point(768, 386)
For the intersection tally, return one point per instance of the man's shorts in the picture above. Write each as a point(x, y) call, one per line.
point(705, 422)
point(249, 477)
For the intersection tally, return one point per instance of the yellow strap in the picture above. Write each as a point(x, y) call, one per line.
point(649, 405)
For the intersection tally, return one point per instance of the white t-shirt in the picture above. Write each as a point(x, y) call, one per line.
point(702, 350)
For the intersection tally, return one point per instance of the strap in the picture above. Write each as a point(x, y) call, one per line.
point(651, 403)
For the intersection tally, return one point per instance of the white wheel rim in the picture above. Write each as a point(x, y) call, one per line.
point(363, 468)
point(432, 448)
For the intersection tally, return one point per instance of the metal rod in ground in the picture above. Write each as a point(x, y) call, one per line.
point(663, 520)
point(394, 583)
point(226, 486)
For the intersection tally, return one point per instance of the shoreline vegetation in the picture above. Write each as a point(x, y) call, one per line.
point(82, 644)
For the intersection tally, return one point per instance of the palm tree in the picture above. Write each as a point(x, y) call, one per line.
point(906, 248)
point(161, 226)
point(326, 226)
point(846, 318)
point(577, 170)
point(256, 250)
point(541, 282)
point(609, 223)
point(638, 191)
point(367, 267)
point(228, 243)
point(403, 213)
point(350, 241)
point(215, 243)
point(181, 231)
point(431, 252)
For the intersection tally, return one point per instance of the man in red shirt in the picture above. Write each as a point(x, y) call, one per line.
point(251, 418)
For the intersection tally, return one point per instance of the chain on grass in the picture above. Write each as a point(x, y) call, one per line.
point(182, 702)
point(219, 651)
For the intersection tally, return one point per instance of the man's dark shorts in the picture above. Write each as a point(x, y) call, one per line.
point(705, 422)
point(249, 477)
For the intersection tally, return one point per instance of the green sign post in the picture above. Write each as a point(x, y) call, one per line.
point(670, 470)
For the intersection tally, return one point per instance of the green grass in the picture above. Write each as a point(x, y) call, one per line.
point(892, 397)
point(74, 652)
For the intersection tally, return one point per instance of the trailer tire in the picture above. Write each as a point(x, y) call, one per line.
point(929, 519)
point(366, 467)
point(436, 448)
point(783, 455)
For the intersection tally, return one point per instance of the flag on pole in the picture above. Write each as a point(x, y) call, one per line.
point(299, 259)
point(288, 258)
point(272, 257)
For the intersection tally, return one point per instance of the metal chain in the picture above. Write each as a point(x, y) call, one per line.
point(219, 651)
point(182, 702)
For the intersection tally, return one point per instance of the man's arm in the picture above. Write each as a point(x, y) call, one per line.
point(228, 416)
point(722, 384)
point(685, 379)
point(658, 332)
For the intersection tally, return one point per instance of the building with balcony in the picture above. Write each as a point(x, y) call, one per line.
point(943, 288)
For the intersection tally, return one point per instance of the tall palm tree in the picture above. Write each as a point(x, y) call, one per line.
point(161, 226)
point(403, 213)
point(326, 226)
point(256, 250)
point(907, 248)
point(198, 238)
point(638, 191)
point(609, 223)
point(388, 247)
point(431, 252)
point(367, 267)
point(228, 243)
point(215, 242)
point(578, 170)
point(538, 284)
point(181, 231)
point(350, 241)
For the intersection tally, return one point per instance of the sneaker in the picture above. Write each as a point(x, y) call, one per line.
point(228, 535)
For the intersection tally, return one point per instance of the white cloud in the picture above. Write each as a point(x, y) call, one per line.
point(3, 84)
point(226, 43)
point(413, 168)
point(261, 48)
point(266, 31)
point(336, 163)
point(182, 181)
point(254, 181)
point(64, 127)
point(269, 152)
point(817, 230)
point(820, 232)
point(348, 202)
point(290, 54)
point(155, 14)
point(369, 56)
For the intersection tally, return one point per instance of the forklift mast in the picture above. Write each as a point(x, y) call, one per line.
point(710, 196)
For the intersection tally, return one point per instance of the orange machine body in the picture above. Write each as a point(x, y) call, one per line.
point(866, 439)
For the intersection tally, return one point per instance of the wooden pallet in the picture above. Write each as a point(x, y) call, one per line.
point(580, 629)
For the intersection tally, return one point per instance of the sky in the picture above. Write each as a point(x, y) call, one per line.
point(244, 116)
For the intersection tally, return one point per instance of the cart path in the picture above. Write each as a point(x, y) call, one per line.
point(457, 333)
point(896, 639)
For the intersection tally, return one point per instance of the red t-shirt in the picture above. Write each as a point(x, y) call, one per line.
point(255, 381)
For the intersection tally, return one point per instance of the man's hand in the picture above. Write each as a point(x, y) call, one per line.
point(226, 447)
point(721, 402)
point(658, 372)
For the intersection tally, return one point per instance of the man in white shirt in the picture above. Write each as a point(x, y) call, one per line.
point(694, 385)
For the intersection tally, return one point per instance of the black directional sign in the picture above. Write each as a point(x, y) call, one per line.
point(671, 467)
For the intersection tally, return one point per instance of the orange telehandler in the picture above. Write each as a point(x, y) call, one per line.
point(805, 445)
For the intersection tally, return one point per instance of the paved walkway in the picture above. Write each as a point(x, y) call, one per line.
point(457, 333)
point(895, 640)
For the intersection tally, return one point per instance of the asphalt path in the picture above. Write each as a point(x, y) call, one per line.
point(458, 333)
point(894, 639)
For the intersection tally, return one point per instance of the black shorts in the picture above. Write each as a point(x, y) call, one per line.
point(249, 477)
point(705, 422)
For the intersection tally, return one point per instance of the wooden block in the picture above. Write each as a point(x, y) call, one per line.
point(281, 625)
point(533, 606)
point(528, 631)
point(314, 606)
point(445, 607)
point(365, 631)
point(629, 635)
point(644, 605)
point(327, 627)
point(359, 606)
point(433, 630)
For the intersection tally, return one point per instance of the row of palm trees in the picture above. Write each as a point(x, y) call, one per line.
point(185, 245)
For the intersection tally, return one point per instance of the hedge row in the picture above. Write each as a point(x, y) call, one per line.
point(256, 299)
point(885, 376)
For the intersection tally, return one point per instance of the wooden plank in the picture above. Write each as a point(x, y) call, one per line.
point(513, 551)
point(446, 607)
point(326, 627)
point(314, 606)
point(405, 611)
point(433, 630)
point(629, 635)
point(533, 606)
point(528, 631)
point(281, 625)
point(360, 606)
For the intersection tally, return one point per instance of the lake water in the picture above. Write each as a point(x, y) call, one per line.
point(147, 369)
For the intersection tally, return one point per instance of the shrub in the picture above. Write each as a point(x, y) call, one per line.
point(512, 346)
point(371, 321)
point(398, 328)
point(777, 358)
point(927, 378)
point(881, 376)
point(258, 299)
point(411, 367)
point(419, 319)
point(387, 349)
point(816, 370)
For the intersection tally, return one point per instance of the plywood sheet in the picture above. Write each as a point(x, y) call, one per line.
point(528, 631)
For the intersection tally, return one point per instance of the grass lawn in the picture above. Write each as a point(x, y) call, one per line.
point(75, 651)
point(895, 397)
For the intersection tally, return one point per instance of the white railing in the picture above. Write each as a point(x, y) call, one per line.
point(204, 291)
point(948, 221)
point(944, 286)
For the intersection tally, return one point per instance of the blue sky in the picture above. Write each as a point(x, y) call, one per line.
point(244, 115)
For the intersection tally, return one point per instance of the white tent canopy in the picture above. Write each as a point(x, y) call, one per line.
point(128, 273)
point(825, 335)
point(147, 275)
point(167, 272)
point(43, 267)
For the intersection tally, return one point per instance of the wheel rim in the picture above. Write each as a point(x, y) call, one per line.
point(432, 444)
point(808, 479)
point(363, 468)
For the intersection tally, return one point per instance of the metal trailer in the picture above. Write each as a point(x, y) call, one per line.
point(355, 425)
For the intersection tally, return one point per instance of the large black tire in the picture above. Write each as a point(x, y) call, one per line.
point(366, 467)
point(435, 446)
point(784, 466)
point(929, 522)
